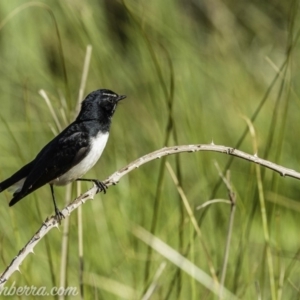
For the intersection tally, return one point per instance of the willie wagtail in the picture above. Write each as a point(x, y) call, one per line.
point(71, 153)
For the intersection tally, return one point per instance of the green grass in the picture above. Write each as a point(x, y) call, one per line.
point(192, 74)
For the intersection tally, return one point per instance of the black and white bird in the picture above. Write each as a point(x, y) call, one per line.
point(71, 153)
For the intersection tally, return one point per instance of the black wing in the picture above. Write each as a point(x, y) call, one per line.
point(55, 159)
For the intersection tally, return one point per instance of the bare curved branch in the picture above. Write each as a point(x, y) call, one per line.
point(51, 222)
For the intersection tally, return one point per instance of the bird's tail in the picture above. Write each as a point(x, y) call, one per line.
point(6, 184)
point(17, 197)
point(16, 180)
point(15, 187)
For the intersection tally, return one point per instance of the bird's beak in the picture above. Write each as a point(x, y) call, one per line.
point(121, 97)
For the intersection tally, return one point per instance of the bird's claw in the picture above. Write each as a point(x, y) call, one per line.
point(101, 186)
point(59, 215)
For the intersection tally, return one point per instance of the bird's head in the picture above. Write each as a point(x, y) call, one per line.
point(100, 104)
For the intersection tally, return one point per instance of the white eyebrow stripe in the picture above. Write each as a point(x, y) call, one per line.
point(113, 95)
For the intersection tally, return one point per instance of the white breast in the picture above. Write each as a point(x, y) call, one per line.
point(98, 144)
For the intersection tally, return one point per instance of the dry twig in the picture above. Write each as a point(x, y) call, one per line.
point(51, 222)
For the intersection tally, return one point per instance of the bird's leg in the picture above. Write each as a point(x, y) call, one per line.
point(58, 214)
point(100, 185)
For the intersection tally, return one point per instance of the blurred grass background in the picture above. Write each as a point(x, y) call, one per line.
point(192, 70)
